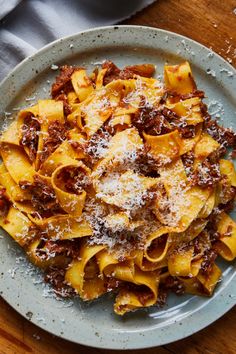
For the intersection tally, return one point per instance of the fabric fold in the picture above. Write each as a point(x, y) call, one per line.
point(32, 24)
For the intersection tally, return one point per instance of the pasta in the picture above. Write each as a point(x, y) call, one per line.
point(119, 183)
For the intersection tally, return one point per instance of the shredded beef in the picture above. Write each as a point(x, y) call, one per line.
point(206, 175)
point(228, 207)
point(67, 108)
point(162, 296)
point(228, 193)
point(152, 121)
point(174, 284)
point(30, 130)
point(209, 258)
point(211, 227)
point(177, 97)
point(56, 135)
point(145, 70)
point(188, 160)
point(56, 277)
point(223, 136)
point(146, 164)
point(74, 179)
point(114, 73)
point(186, 131)
point(112, 284)
point(69, 248)
point(4, 202)
point(155, 121)
point(43, 196)
point(63, 81)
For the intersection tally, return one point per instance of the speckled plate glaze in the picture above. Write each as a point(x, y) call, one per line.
point(21, 286)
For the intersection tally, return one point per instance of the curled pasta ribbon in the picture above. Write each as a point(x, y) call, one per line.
point(65, 154)
point(128, 300)
point(182, 263)
point(124, 189)
point(194, 229)
point(204, 147)
point(33, 251)
point(11, 135)
point(83, 274)
point(62, 227)
point(164, 147)
point(45, 113)
point(82, 84)
point(73, 201)
point(14, 192)
point(100, 78)
point(226, 246)
point(179, 78)
point(120, 221)
point(126, 271)
point(93, 112)
point(17, 163)
point(189, 110)
point(16, 224)
point(122, 146)
point(146, 265)
point(187, 201)
point(208, 207)
point(227, 169)
point(188, 144)
point(202, 284)
point(161, 237)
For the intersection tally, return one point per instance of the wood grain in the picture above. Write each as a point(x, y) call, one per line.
point(212, 23)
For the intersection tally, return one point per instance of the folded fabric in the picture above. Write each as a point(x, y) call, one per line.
point(33, 23)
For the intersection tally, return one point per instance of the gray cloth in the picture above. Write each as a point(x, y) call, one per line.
point(27, 25)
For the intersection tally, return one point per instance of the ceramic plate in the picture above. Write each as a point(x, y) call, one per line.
point(21, 285)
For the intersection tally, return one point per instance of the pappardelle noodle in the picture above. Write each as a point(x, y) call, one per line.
point(118, 183)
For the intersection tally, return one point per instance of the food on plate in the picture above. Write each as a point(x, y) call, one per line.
point(119, 183)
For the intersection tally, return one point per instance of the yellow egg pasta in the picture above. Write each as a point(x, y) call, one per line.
point(119, 183)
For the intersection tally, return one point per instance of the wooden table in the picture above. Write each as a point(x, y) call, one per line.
point(212, 23)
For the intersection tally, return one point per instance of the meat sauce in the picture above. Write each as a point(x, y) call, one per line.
point(4, 202)
point(56, 135)
point(43, 196)
point(30, 136)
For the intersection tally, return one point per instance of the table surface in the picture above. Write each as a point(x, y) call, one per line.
point(212, 23)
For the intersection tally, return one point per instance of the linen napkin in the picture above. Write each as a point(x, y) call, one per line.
point(27, 25)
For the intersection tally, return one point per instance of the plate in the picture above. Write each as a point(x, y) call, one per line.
point(21, 285)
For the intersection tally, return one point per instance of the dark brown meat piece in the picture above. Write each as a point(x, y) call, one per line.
point(30, 130)
point(188, 160)
point(152, 121)
point(175, 97)
point(207, 174)
point(4, 202)
point(67, 108)
point(224, 136)
point(114, 73)
point(146, 163)
point(69, 248)
point(209, 258)
point(63, 81)
point(75, 180)
point(56, 277)
point(162, 296)
point(56, 135)
point(130, 72)
point(174, 284)
point(43, 196)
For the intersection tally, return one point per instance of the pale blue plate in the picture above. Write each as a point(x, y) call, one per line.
point(95, 324)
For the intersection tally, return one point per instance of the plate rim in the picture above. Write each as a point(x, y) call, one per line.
point(229, 288)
